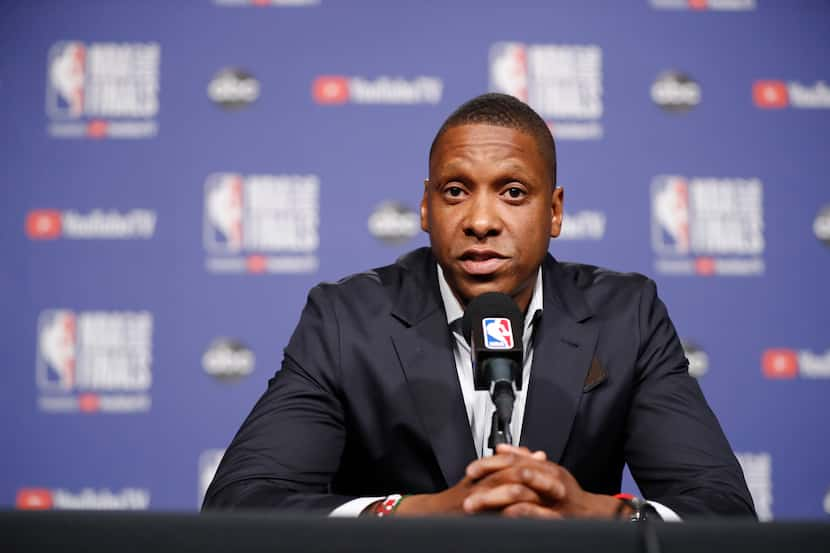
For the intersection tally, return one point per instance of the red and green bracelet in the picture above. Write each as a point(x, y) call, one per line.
point(388, 505)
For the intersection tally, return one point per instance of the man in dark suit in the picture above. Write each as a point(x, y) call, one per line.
point(374, 395)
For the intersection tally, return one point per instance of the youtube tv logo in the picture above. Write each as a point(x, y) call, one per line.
point(330, 90)
point(779, 363)
point(34, 499)
point(788, 364)
point(43, 224)
point(49, 224)
point(770, 94)
point(336, 90)
point(791, 94)
point(104, 499)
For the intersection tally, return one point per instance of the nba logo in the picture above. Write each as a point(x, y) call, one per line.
point(56, 350)
point(67, 70)
point(223, 213)
point(670, 215)
point(508, 69)
point(498, 333)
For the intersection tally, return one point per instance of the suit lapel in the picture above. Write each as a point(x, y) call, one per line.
point(424, 347)
point(564, 345)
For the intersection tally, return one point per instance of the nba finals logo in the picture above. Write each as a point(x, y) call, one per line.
point(498, 333)
point(103, 90)
point(707, 226)
point(94, 361)
point(261, 223)
point(562, 82)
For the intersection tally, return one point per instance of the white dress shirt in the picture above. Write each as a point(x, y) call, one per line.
point(479, 406)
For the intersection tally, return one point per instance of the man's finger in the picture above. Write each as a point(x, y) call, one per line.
point(498, 498)
point(546, 482)
point(508, 475)
point(521, 451)
point(530, 510)
point(486, 465)
point(517, 449)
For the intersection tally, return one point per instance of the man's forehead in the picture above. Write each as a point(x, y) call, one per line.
point(503, 163)
point(462, 145)
point(484, 133)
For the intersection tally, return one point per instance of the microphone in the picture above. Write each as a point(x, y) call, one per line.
point(495, 326)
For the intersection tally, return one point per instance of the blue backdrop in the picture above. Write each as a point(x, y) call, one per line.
point(176, 176)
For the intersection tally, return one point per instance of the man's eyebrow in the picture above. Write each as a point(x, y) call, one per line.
point(512, 167)
point(455, 165)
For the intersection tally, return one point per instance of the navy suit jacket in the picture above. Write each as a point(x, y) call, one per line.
point(368, 401)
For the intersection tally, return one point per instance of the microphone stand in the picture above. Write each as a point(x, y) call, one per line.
point(499, 433)
point(500, 372)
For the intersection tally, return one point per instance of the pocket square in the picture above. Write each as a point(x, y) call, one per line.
point(596, 375)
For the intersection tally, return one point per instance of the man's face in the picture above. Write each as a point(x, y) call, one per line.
point(490, 210)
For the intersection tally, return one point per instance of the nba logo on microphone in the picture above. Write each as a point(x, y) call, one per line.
point(497, 333)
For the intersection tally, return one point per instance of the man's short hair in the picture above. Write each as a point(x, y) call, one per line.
point(502, 110)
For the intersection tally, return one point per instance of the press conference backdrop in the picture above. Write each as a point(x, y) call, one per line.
point(177, 175)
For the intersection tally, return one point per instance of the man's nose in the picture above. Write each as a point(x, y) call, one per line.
point(482, 218)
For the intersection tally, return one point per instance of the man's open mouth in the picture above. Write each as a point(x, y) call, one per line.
point(481, 262)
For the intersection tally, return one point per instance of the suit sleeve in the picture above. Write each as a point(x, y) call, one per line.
point(675, 447)
point(288, 450)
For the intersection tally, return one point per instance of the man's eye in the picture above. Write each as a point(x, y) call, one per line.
point(515, 193)
point(454, 191)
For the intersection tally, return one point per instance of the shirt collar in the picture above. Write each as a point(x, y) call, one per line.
point(455, 312)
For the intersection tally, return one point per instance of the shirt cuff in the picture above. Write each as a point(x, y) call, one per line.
point(665, 513)
point(353, 508)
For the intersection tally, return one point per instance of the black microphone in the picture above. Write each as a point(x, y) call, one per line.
point(495, 326)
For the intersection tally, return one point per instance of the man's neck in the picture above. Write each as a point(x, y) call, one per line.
point(454, 308)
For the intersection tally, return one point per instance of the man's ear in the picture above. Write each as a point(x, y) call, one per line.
point(556, 211)
point(424, 209)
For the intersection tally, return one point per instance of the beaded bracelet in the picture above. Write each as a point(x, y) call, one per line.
point(388, 505)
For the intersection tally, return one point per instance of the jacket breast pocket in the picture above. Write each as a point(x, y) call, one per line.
point(595, 377)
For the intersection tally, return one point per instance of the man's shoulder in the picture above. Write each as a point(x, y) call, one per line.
point(586, 277)
point(375, 287)
point(603, 289)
